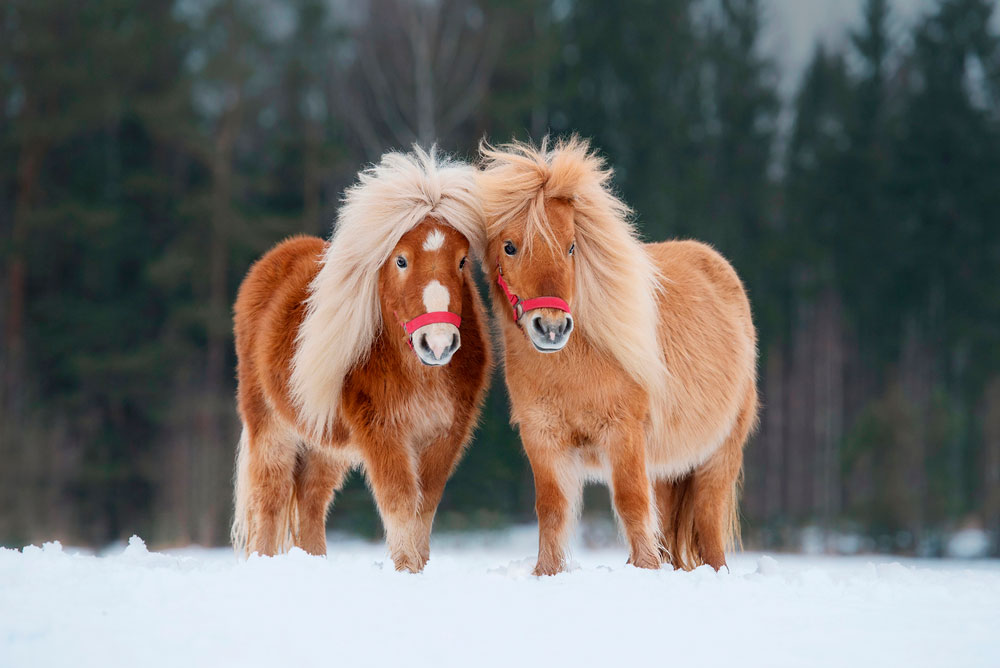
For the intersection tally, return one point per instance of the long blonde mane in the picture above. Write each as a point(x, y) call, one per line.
point(343, 315)
point(617, 283)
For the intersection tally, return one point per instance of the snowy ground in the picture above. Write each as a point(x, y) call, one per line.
point(477, 605)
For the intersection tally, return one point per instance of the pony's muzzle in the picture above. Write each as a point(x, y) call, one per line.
point(549, 329)
point(435, 344)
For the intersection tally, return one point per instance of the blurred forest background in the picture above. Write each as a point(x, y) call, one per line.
point(149, 151)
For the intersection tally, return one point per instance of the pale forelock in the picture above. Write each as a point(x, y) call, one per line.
point(617, 282)
point(343, 316)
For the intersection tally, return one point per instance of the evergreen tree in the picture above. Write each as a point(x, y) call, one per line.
point(949, 166)
point(630, 80)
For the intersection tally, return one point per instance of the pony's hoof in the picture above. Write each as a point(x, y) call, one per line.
point(410, 564)
point(645, 561)
point(547, 569)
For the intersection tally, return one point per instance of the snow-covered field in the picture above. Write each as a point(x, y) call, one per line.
point(477, 605)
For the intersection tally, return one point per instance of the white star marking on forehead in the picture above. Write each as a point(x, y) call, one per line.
point(434, 240)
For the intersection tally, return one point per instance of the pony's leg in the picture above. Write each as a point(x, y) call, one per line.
point(437, 461)
point(390, 469)
point(715, 485)
point(665, 492)
point(558, 477)
point(632, 495)
point(319, 474)
point(674, 508)
point(272, 452)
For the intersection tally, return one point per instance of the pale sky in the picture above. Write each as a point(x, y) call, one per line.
point(792, 28)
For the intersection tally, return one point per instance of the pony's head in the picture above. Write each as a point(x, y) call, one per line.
point(420, 287)
point(563, 254)
point(535, 271)
point(418, 209)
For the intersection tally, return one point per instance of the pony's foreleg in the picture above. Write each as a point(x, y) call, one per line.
point(437, 461)
point(558, 492)
point(393, 478)
point(318, 476)
point(631, 493)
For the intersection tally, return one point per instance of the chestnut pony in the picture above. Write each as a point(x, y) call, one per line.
point(626, 362)
point(370, 350)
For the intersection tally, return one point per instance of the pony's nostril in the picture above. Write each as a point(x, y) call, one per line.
point(537, 324)
point(453, 346)
point(422, 344)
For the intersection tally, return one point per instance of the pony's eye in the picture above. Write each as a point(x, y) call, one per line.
point(509, 248)
point(401, 262)
point(461, 265)
point(572, 248)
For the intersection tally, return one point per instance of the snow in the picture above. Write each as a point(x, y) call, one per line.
point(476, 604)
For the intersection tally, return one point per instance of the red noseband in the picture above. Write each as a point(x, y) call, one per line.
point(431, 318)
point(519, 305)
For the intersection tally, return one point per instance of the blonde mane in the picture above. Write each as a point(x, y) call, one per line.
point(617, 282)
point(343, 316)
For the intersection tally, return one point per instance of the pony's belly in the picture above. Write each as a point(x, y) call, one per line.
point(670, 463)
point(682, 453)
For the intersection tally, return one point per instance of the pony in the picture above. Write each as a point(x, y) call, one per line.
point(628, 363)
point(369, 351)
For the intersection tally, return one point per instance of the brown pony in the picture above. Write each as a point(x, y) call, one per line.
point(370, 350)
point(628, 363)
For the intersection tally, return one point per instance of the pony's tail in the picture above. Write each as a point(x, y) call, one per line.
point(241, 533)
point(679, 535)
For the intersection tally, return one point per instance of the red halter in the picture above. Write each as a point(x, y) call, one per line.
point(431, 318)
point(521, 305)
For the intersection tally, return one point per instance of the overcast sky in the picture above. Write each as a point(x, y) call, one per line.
point(792, 28)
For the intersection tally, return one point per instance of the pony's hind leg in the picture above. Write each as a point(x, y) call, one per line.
point(270, 465)
point(319, 474)
point(670, 502)
point(715, 490)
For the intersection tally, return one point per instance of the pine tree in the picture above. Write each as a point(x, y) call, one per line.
point(948, 169)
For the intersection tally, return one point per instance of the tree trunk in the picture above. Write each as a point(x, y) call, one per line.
point(211, 460)
point(423, 74)
point(991, 463)
point(28, 172)
point(829, 381)
point(311, 179)
point(774, 433)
